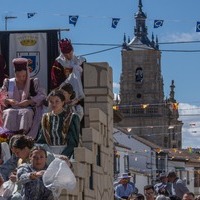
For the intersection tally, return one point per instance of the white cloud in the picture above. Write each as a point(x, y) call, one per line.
point(180, 37)
point(116, 85)
point(190, 116)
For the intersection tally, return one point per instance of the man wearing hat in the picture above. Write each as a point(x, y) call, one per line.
point(163, 187)
point(179, 187)
point(67, 68)
point(124, 188)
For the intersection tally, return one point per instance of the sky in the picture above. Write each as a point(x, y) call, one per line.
point(178, 40)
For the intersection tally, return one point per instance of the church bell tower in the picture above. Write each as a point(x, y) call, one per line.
point(145, 111)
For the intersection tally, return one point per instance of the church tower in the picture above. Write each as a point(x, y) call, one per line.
point(145, 111)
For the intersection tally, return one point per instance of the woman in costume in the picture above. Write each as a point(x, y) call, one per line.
point(60, 128)
point(67, 68)
point(24, 102)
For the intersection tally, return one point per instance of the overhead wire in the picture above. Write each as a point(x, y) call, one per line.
point(138, 46)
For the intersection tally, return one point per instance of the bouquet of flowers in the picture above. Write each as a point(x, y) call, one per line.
point(5, 134)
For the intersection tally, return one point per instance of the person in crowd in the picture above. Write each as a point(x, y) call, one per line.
point(162, 197)
point(188, 196)
point(163, 187)
point(21, 146)
point(24, 102)
point(174, 197)
point(70, 99)
point(4, 152)
point(1, 187)
point(149, 192)
point(137, 196)
point(179, 187)
point(60, 128)
point(11, 164)
point(67, 68)
point(30, 176)
point(124, 189)
point(132, 183)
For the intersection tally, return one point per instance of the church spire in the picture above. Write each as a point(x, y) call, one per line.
point(140, 5)
point(172, 86)
point(140, 29)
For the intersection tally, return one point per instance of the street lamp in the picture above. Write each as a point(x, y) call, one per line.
point(6, 19)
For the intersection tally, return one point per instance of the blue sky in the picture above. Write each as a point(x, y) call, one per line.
point(94, 27)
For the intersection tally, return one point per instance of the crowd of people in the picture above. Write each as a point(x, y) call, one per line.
point(36, 136)
point(169, 187)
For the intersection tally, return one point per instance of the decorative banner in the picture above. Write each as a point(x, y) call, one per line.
point(198, 27)
point(29, 15)
point(32, 46)
point(115, 22)
point(158, 23)
point(73, 19)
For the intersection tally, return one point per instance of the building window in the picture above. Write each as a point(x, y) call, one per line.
point(138, 75)
point(188, 177)
point(116, 163)
point(98, 155)
point(126, 163)
point(197, 177)
point(91, 181)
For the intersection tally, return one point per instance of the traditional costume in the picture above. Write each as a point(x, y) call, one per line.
point(69, 71)
point(26, 118)
point(60, 132)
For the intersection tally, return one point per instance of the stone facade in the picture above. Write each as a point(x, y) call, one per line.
point(93, 165)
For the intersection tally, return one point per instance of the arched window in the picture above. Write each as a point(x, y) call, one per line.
point(138, 75)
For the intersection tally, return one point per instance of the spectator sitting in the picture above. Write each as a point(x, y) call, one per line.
point(24, 102)
point(30, 176)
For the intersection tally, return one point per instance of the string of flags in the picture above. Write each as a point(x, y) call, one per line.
point(158, 23)
point(29, 15)
point(73, 19)
point(115, 22)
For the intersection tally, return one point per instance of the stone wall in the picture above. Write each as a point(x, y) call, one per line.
point(93, 165)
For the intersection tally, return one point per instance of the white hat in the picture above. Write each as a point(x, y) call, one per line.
point(124, 175)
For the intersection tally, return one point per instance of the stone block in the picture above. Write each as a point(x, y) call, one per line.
point(96, 114)
point(80, 169)
point(91, 135)
point(84, 155)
